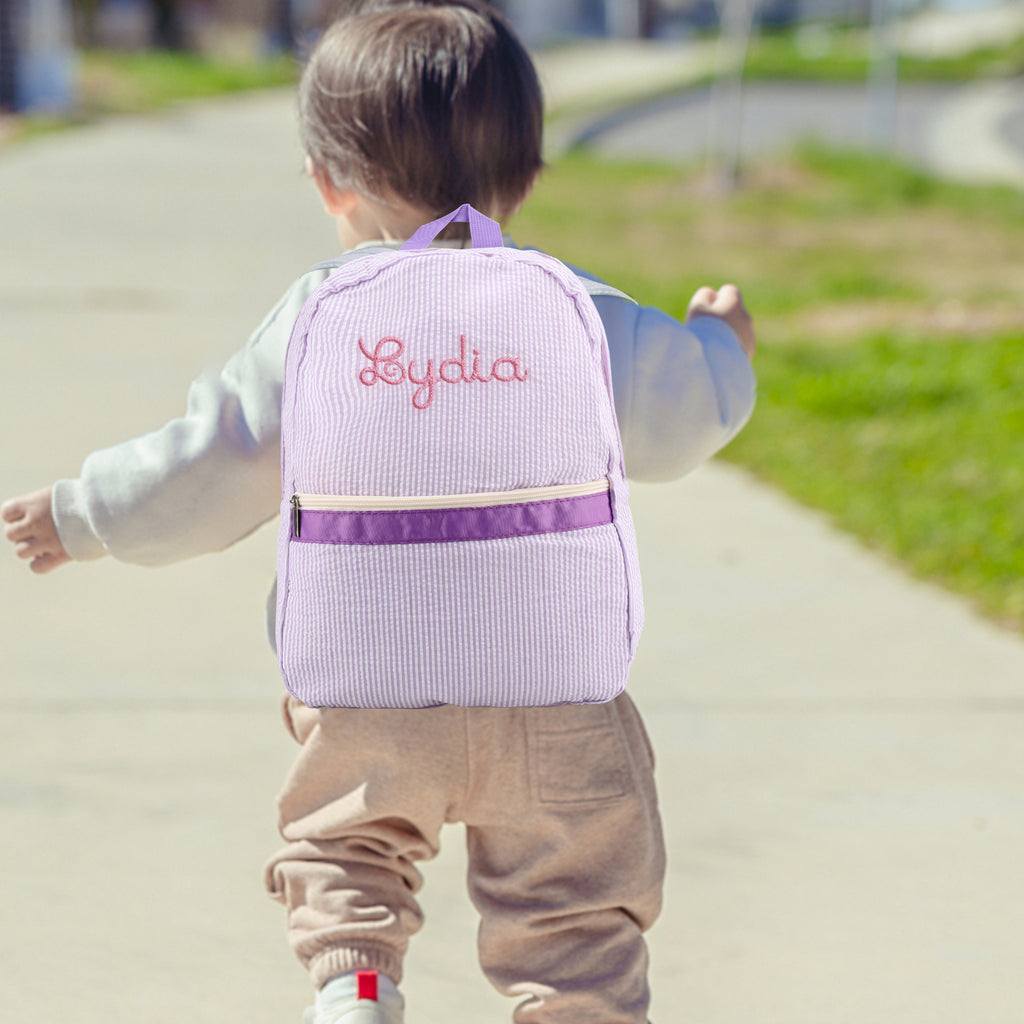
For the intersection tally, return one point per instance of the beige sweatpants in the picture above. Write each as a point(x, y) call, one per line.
point(566, 860)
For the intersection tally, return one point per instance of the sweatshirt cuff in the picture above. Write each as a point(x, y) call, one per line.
point(72, 522)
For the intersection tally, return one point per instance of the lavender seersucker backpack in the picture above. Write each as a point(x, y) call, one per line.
point(455, 526)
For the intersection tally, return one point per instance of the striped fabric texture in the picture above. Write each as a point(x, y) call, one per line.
point(453, 372)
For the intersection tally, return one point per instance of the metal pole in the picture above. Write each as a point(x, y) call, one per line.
point(883, 77)
point(725, 113)
point(623, 18)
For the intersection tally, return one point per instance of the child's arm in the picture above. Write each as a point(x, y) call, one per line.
point(30, 528)
point(682, 390)
point(198, 484)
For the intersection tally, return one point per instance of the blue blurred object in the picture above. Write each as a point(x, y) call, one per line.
point(36, 56)
point(47, 80)
point(8, 56)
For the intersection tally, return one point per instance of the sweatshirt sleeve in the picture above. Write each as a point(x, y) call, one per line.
point(682, 391)
point(203, 480)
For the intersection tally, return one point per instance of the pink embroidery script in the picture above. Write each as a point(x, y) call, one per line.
point(386, 364)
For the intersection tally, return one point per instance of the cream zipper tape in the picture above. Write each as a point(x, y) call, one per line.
point(481, 499)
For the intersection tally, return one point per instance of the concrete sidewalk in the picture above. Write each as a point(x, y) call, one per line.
point(839, 755)
point(641, 100)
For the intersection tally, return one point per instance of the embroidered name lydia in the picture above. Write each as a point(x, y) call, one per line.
point(386, 365)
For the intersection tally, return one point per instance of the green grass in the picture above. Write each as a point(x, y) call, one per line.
point(112, 83)
point(889, 308)
point(840, 55)
point(874, 184)
point(914, 446)
point(140, 82)
point(843, 55)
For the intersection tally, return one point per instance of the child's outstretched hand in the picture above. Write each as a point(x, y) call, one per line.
point(727, 303)
point(31, 530)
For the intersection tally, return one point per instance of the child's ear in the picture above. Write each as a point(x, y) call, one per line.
point(337, 201)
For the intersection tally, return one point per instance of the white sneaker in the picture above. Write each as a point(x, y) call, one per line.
point(360, 997)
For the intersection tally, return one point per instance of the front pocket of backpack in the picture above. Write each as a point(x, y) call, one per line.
point(510, 604)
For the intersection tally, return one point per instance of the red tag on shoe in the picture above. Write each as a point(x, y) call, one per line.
point(366, 985)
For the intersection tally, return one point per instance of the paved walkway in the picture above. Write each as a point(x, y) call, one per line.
point(839, 747)
point(972, 133)
point(966, 132)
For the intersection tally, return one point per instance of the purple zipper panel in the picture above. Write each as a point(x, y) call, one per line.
point(435, 526)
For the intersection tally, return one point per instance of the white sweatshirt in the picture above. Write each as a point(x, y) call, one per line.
point(213, 476)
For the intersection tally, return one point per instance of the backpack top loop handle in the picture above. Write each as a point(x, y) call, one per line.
point(484, 232)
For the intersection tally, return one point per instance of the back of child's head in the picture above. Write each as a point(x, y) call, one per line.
point(432, 104)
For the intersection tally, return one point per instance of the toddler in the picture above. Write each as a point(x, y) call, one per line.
point(408, 110)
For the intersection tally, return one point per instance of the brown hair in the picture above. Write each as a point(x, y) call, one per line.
point(432, 103)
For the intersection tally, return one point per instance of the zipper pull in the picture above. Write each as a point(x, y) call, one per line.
point(296, 515)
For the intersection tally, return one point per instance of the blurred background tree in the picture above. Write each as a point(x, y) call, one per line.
point(8, 58)
point(168, 28)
